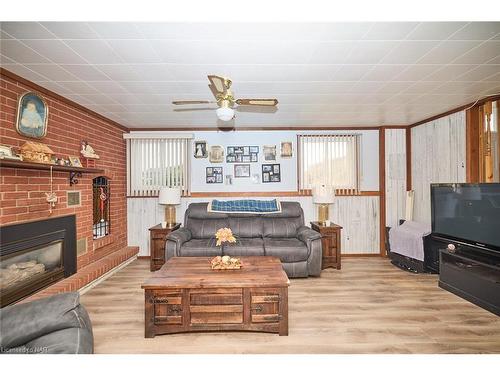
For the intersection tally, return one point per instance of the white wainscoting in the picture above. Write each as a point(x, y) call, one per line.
point(359, 216)
point(395, 175)
point(437, 156)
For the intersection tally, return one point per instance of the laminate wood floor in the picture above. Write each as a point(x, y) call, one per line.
point(369, 306)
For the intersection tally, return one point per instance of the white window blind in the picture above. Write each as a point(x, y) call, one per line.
point(329, 159)
point(153, 162)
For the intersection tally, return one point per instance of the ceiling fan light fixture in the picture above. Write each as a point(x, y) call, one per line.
point(225, 113)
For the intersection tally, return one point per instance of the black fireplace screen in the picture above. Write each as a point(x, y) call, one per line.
point(100, 197)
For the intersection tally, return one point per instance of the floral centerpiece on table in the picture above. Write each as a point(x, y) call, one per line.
point(225, 235)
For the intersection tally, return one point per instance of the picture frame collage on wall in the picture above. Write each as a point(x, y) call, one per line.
point(242, 154)
point(271, 173)
point(214, 175)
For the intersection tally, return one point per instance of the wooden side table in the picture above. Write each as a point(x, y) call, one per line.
point(158, 237)
point(330, 242)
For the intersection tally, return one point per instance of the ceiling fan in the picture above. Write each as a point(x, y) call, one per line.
point(220, 88)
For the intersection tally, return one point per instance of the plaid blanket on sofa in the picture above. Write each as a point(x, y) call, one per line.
point(250, 206)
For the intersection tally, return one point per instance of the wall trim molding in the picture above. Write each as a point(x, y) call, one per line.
point(210, 194)
point(6, 73)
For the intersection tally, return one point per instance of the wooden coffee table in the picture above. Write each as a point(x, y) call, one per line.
point(186, 295)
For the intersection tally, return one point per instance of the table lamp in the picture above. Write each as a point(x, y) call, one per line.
point(170, 197)
point(323, 196)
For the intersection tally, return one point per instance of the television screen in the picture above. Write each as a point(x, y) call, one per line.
point(467, 212)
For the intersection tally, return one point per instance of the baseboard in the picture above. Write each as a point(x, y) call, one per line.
point(360, 255)
point(106, 275)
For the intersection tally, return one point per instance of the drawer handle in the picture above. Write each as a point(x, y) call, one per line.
point(176, 309)
point(257, 308)
point(160, 300)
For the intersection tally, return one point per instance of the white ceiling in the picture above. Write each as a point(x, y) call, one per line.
point(323, 74)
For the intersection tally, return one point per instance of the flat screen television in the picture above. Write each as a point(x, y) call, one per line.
point(469, 213)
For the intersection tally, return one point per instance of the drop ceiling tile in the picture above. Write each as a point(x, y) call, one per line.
point(134, 51)
point(79, 99)
point(408, 52)
point(108, 87)
point(435, 30)
point(53, 72)
point(78, 87)
point(384, 72)
point(346, 30)
point(152, 72)
point(4, 60)
point(56, 51)
point(95, 51)
point(331, 53)
point(482, 72)
point(70, 30)
point(115, 30)
point(55, 87)
point(448, 73)
point(137, 87)
point(100, 99)
point(119, 72)
point(481, 54)
point(369, 52)
point(494, 78)
point(86, 72)
point(21, 53)
point(447, 51)
point(364, 87)
point(25, 72)
point(477, 31)
point(390, 30)
point(394, 87)
point(421, 88)
point(351, 72)
point(4, 35)
point(26, 30)
point(416, 72)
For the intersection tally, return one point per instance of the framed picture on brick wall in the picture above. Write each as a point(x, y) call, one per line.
point(32, 116)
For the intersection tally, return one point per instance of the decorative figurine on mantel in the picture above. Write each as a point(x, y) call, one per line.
point(89, 154)
point(87, 151)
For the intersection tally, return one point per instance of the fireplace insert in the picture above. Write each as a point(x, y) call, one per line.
point(34, 255)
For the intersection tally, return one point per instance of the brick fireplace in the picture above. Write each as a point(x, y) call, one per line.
point(22, 191)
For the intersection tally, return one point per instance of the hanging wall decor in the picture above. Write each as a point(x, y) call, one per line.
point(286, 149)
point(271, 173)
point(214, 175)
point(32, 116)
point(269, 153)
point(216, 154)
point(242, 154)
point(200, 149)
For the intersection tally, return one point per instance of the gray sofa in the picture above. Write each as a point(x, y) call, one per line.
point(283, 235)
point(53, 325)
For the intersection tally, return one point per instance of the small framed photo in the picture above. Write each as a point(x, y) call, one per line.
point(254, 149)
point(216, 154)
point(254, 158)
point(286, 149)
point(241, 170)
point(269, 153)
point(246, 150)
point(75, 161)
point(271, 173)
point(73, 198)
point(200, 149)
point(246, 159)
point(214, 175)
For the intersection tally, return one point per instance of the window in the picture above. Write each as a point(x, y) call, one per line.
point(100, 198)
point(156, 160)
point(329, 159)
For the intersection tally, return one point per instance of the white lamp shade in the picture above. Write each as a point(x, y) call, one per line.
point(169, 195)
point(225, 113)
point(323, 194)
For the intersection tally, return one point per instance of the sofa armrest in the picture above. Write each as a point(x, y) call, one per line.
point(306, 234)
point(312, 239)
point(25, 322)
point(175, 240)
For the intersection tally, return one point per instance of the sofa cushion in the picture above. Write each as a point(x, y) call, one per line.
point(246, 227)
point(206, 228)
point(245, 247)
point(64, 341)
point(200, 211)
point(200, 248)
point(281, 227)
point(287, 249)
point(25, 322)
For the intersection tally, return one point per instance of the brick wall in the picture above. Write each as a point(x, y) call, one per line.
point(22, 191)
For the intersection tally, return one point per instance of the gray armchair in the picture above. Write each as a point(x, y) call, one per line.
point(282, 235)
point(53, 325)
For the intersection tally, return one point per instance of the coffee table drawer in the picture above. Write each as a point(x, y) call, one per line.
point(229, 296)
point(265, 304)
point(167, 307)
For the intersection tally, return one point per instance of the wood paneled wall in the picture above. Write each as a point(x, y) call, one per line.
point(359, 216)
point(438, 154)
point(395, 175)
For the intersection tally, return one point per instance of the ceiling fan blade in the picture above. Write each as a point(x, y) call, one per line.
point(256, 109)
point(214, 91)
point(220, 84)
point(267, 102)
point(194, 109)
point(182, 102)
